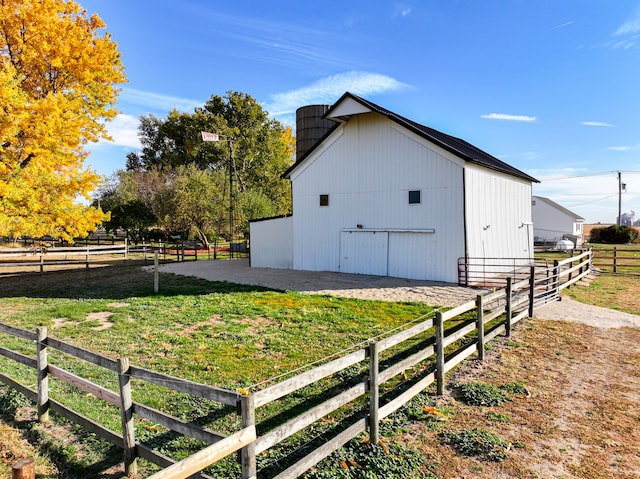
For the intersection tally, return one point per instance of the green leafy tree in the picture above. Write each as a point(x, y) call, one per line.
point(134, 217)
point(196, 198)
point(254, 149)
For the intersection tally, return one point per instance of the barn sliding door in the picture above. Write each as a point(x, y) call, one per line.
point(364, 252)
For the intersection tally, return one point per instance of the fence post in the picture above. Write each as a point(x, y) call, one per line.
point(374, 393)
point(41, 260)
point(532, 284)
point(556, 277)
point(126, 415)
point(615, 259)
point(480, 327)
point(570, 269)
point(507, 324)
point(87, 256)
point(43, 374)
point(248, 453)
point(439, 354)
point(23, 469)
point(156, 274)
point(126, 248)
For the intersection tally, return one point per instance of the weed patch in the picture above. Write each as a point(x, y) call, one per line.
point(484, 394)
point(358, 460)
point(478, 443)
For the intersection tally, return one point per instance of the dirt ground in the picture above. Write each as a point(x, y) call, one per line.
point(326, 282)
point(581, 418)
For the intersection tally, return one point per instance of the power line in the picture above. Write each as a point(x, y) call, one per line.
point(594, 201)
point(601, 173)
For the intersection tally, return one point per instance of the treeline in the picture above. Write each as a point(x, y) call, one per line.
point(179, 184)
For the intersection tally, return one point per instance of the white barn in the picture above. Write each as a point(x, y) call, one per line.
point(553, 222)
point(380, 194)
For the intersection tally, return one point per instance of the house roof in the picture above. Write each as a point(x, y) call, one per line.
point(350, 104)
point(558, 207)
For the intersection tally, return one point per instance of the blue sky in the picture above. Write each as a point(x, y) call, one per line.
point(551, 87)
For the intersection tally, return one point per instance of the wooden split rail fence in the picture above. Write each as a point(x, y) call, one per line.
point(423, 353)
point(39, 258)
point(622, 260)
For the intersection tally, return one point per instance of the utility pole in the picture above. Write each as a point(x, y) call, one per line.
point(621, 187)
point(206, 136)
point(230, 141)
point(619, 198)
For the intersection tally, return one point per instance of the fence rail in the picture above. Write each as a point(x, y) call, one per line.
point(491, 272)
point(617, 260)
point(41, 258)
point(424, 352)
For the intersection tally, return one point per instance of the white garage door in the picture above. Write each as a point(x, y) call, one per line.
point(364, 252)
point(411, 255)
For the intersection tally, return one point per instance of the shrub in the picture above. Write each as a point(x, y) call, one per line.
point(614, 234)
point(595, 235)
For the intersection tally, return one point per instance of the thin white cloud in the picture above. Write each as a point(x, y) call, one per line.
point(627, 35)
point(157, 101)
point(595, 123)
point(124, 131)
point(631, 25)
point(285, 43)
point(622, 148)
point(503, 116)
point(329, 89)
point(562, 25)
point(402, 10)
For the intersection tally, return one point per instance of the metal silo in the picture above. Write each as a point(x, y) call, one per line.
point(310, 127)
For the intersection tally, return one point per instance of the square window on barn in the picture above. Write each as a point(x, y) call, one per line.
point(324, 200)
point(414, 197)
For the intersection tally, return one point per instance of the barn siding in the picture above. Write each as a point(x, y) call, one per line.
point(498, 210)
point(272, 243)
point(367, 167)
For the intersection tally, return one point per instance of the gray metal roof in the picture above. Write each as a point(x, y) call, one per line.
point(456, 146)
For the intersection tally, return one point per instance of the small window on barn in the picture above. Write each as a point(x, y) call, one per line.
point(533, 202)
point(414, 197)
point(324, 200)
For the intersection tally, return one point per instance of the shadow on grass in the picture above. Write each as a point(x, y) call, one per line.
point(112, 282)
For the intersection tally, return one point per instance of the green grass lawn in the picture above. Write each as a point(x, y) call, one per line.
point(221, 334)
point(217, 333)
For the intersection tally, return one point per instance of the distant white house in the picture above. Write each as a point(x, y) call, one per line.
point(553, 222)
point(380, 194)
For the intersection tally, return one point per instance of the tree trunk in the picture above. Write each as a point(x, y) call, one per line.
point(203, 238)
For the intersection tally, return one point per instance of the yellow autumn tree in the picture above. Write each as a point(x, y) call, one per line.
point(58, 85)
